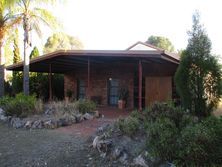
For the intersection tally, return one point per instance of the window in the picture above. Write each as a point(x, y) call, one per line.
point(81, 89)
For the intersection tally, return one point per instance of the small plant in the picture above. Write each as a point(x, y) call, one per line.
point(128, 126)
point(21, 105)
point(39, 106)
point(123, 94)
point(85, 106)
point(69, 93)
point(4, 101)
point(62, 108)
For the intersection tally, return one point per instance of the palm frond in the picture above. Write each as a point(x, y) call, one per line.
point(46, 17)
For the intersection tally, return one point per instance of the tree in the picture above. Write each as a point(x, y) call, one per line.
point(61, 41)
point(16, 51)
point(161, 42)
point(198, 77)
point(34, 53)
point(33, 15)
point(7, 22)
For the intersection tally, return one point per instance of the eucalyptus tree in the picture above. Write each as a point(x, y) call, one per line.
point(34, 14)
point(7, 21)
point(161, 42)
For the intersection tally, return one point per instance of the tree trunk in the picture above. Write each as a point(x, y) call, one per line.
point(26, 71)
point(2, 71)
point(26, 59)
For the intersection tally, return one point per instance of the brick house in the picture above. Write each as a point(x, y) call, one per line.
point(144, 70)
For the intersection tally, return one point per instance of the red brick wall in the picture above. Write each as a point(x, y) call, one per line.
point(99, 75)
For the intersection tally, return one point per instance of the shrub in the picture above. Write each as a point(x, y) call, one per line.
point(21, 105)
point(39, 106)
point(201, 144)
point(175, 135)
point(128, 126)
point(4, 101)
point(162, 136)
point(165, 110)
point(62, 108)
point(86, 106)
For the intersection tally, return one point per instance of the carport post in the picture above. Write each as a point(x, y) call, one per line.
point(88, 79)
point(140, 85)
point(50, 82)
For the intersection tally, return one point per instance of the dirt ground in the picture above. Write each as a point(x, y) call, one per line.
point(62, 147)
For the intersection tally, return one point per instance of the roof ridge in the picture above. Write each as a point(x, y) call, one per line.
point(146, 44)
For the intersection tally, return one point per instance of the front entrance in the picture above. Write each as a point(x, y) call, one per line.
point(113, 88)
point(158, 89)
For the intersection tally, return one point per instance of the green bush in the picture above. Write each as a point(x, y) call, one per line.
point(85, 106)
point(201, 145)
point(21, 105)
point(176, 136)
point(4, 101)
point(129, 125)
point(162, 137)
point(165, 110)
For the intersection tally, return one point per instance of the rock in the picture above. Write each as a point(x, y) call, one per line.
point(102, 128)
point(117, 152)
point(87, 116)
point(167, 164)
point(79, 118)
point(3, 117)
point(140, 161)
point(101, 145)
point(123, 158)
point(28, 124)
point(37, 124)
point(63, 122)
point(50, 124)
point(48, 111)
point(95, 141)
point(2, 112)
point(17, 123)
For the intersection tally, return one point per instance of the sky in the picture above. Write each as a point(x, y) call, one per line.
point(117, 24)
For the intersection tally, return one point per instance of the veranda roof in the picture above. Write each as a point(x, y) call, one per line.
point(63, 61)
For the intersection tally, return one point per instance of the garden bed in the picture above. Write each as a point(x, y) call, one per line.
point(30, 113)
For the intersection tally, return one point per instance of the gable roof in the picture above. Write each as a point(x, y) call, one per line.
point(143, 46)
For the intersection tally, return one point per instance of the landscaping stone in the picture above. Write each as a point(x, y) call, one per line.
point(87, 116)
point(2, 115)
point(48, 111)
point(102, 128)
point(50, 124)
point(37, 124)
point(17, 123)
point(28, 124)
point(79, 118)
point(2, 112)
point(63, 122)
point(139, 161)
point(123, 158)
point(116, 153)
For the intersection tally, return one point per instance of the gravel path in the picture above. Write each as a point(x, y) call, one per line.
point(42, 148)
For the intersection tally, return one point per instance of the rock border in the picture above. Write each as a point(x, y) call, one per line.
point(45, 123)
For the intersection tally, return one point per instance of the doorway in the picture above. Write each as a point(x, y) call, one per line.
point(113, 88)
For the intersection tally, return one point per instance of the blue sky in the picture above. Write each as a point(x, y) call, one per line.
point(116, 24)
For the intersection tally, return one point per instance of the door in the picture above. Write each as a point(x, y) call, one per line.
point(158, 89)
point(81, 89)
point(113, 88)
